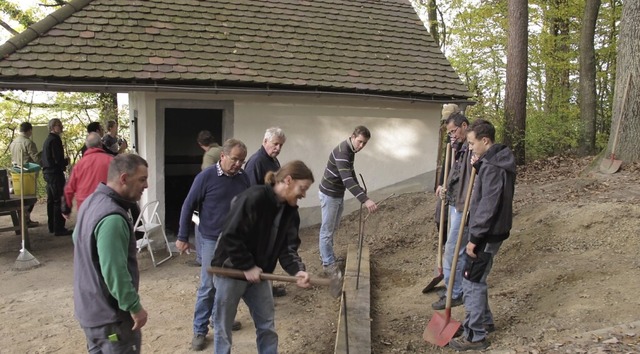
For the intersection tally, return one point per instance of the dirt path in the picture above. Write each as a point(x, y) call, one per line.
point(569, 268)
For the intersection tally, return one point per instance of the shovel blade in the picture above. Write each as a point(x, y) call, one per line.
point(432, 285)
point(441, 329)
point(610, 166)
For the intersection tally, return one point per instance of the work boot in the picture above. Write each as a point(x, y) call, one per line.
point(462, 344)
point(278, 291)
point(236, 326)
point(198, 342)
point(332, 270)
point(441, 303)
point(489, 328)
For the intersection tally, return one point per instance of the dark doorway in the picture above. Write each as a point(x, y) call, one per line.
point(183, 156)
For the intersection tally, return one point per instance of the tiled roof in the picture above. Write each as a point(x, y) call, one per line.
point(365, 46)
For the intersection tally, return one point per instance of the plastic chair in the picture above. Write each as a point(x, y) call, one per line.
point(147, 223)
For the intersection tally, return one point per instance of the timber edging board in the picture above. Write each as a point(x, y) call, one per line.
point(358, 306)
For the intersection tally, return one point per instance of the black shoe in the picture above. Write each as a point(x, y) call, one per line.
point(193, 263)
point(441, 303)
point(279, 291)
point(63, 232)
point(198, 342)
point(236, 326)
point(490, 328)
point(32, 224)
point(462, 344)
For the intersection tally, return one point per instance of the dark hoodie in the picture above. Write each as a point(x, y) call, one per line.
point(491, 210)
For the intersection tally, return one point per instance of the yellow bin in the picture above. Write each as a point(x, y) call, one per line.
point(29, 183)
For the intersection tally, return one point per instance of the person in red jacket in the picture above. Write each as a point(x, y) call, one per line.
point(87, 174)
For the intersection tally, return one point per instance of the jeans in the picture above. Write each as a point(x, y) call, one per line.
point(206, 291)
point(123, 339)
point(55, 191)
point(259, 299)
point(198, 244)
point(455, 217)
point(331, 213)
point(476, 298)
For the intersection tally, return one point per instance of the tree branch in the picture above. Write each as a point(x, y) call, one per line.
point(8, 28)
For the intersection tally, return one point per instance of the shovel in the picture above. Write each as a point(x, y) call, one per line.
point(442, 328)
point(438, 278)
point(334, 283)
point(612, 165)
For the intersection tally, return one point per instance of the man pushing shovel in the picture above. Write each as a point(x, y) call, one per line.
point(490, 219)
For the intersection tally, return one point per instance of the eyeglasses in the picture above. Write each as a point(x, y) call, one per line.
point(451, 132)
point(236, 161)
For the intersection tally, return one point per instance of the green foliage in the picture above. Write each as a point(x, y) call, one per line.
point(75, 110)
point(477, 51)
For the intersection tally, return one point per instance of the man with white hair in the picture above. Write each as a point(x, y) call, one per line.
point(266, 160)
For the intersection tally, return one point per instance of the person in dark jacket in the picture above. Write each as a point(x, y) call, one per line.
point(255, 237)
point(105, 267)
point(54, 164)
point(96, 127)
point(211, 192)
point(454, 191)
point(490, 219)
point(263, 161)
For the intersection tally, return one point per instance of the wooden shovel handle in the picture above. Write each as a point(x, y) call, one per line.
point(456, 254)
point(621, 114)
point(443, 204)
point(239, 274)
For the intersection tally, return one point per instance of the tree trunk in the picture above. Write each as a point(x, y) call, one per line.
point(587, 145)
point(432, 13)
point(108, 106)
point(516, 87)
point(627, 112)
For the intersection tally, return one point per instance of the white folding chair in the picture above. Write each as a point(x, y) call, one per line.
point(147, 223)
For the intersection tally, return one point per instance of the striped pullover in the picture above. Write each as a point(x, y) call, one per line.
point(340, 174)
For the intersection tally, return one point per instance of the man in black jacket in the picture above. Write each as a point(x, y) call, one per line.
point(54, 164)
point(490, 219)
point(263, 161)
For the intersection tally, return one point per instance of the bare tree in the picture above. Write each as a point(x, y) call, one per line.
point(516, 86)
point(587, 143)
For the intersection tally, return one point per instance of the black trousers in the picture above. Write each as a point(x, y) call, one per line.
point(55, 193)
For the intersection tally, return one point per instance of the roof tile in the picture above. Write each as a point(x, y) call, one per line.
point(375, 46)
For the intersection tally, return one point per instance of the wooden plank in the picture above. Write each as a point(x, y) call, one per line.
point(354, 337)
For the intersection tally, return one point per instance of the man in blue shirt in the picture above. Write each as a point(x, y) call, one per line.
point(211, 193)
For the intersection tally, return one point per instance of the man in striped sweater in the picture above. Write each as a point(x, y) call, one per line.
point(338, 177)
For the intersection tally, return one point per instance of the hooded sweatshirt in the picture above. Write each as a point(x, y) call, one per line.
point(491, 210)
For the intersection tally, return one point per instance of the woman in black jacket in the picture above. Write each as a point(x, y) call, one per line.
point(255, 237)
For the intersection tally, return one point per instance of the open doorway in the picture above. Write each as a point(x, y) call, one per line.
point(183, 155)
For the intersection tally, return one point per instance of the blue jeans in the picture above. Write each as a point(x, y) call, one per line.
point(206, 291)
point(476, 298)
point(331, 209)
point(198, 244)
point(259, 299)
point(455, 217)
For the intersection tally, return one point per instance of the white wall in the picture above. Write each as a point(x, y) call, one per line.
point(403, 143)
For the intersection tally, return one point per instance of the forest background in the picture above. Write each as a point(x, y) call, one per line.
point(564, 68)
